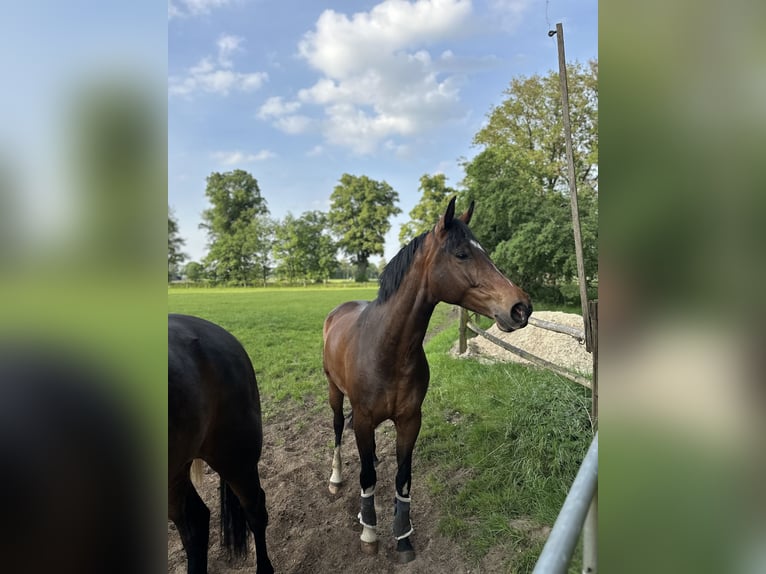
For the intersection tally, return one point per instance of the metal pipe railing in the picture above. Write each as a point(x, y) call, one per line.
point(581, 501)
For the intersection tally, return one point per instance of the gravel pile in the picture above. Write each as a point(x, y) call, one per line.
point(557, 348)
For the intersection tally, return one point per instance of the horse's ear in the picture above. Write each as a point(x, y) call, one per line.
point(466, 217)
point(449, 215)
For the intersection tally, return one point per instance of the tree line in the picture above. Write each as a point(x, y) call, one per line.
point(518, 179)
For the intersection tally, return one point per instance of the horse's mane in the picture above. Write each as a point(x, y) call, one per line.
point(394, 271)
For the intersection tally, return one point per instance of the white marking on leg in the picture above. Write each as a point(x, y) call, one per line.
point(368, 534)
point(337, 465)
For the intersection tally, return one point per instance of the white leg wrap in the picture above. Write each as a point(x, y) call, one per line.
point(337, 465)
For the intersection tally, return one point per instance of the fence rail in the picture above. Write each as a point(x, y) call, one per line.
point(578, 334)
point(529, 356)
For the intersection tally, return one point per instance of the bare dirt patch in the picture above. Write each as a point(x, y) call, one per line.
point(311, 531)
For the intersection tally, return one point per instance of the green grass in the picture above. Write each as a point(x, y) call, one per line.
point(280, 328)
point(500, 444)
point(512, 438)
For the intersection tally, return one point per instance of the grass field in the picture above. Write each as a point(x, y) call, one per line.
point(500, 444)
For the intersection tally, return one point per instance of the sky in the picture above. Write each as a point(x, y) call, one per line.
point(299, 93)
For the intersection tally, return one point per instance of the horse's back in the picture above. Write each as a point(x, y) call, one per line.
point(212, 390)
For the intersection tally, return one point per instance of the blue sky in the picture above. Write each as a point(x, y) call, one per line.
point(298, 93)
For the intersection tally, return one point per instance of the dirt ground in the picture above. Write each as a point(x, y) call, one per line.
point(310, 530)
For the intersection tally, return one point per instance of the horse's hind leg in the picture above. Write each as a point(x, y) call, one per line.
point(336, 403)
point(192, 518)
point(247, 486)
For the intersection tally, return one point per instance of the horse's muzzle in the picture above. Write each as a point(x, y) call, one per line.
point(520, 314)
point(517, 319)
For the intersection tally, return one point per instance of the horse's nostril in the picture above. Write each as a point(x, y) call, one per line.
point(521, 312)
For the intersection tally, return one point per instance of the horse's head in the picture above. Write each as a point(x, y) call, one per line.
point(461, 273)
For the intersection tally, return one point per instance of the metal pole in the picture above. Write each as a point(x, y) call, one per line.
point(573, 184)
point(590, 538)
point(558, 549)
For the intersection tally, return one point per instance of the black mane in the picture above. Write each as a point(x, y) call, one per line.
point(395, 270)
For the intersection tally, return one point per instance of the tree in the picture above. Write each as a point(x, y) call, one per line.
point(359, 215)
point(263, 244)
point(194, 271)
point(303, 249)
point(175, 242)
point(235, 231)
point(426, 213)
point(519, 179)
point(530, 121)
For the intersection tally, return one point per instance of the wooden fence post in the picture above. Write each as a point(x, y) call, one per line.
point(572, 183)
point(463, 344)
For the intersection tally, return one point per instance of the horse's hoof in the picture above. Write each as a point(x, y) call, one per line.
point(334, 487)
point(369, 548)
point(404, 551)
point(405, 556)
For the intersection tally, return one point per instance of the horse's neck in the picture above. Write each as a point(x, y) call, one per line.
point(405, 316)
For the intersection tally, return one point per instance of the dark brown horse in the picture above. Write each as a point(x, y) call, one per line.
point(214, 414)
point(373, 352)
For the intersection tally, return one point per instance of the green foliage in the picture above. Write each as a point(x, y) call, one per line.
point(234, 228)
point(359, 216)
point(175, 242)
point(303, 249)
point(194, 271)
point(429, 209)
point(519, 180)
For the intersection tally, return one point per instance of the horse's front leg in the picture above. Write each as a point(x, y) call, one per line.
point(407, 430)
point(365, 443)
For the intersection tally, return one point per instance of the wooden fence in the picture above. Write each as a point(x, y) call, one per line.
point(578, 334)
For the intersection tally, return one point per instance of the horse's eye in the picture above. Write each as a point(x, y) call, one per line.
point(462, 255)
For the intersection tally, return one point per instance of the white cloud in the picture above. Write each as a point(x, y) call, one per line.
point(217, 77)
point(283, 116)
point(508, 13)
point(183, 8)
point(316, 151)
point(275, 107)
point(379, 79)
point(293, 124)
point(238, 157)
point(227, 45)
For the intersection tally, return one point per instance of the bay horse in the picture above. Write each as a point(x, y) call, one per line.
point(214, 414)
point(373, 352)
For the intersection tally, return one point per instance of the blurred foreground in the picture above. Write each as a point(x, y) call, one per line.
point(683, 209)
point(82, 293)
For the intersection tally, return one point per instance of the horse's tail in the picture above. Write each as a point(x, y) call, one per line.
point(197, 472)
point(233, 523)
